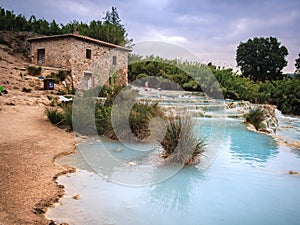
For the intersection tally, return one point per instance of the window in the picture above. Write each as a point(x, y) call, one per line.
point(41, 56)
point(114, 60)
point(88, 53)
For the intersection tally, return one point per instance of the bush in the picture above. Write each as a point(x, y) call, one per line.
point(67, 116)
point(180, 145)
point(27, 90)
point(140, 117)
point(34, 71)
point(4, 42)
point(54, 116)
point(255, 117)
point(83, 112)
point(139, 120)
point(60, 76)
point(103, 119)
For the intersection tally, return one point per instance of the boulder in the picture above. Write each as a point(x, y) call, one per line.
point(293, 172)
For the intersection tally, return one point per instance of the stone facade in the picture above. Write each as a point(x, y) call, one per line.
point(92, 62)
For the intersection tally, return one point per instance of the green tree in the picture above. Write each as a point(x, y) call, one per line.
point(113, 31)
point(297, 65)
point(262, 59)
point(54, 28)
point(109, 30)
point(113, 17)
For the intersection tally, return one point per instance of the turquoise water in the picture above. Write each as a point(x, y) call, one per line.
point(245, 181)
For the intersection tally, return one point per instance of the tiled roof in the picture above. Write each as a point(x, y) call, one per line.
point(84, 38)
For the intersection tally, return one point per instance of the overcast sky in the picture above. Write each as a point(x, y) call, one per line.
point(210, 29)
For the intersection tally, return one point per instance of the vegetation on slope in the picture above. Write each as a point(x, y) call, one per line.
point(285, 92)
point(110, 29)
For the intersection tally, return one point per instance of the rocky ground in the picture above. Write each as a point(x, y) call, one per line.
point(28, 142)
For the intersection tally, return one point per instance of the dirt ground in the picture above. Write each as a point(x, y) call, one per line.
point(28, 146)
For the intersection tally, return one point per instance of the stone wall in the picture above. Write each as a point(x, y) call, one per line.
point(101, 62)
point(70, 53)
point(56, 52)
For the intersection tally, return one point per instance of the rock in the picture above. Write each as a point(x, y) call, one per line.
point(76, 197)
point(293, 172)
point(251, 127)
point(132, 163)
point(10, 103)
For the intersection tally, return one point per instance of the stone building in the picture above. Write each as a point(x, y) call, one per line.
point(90, 61)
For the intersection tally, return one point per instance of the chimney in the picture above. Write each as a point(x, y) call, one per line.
point(76, 31)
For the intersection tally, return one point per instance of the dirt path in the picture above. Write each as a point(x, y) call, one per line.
point(28, 144)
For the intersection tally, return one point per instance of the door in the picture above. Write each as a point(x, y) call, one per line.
point(87, 80)
point(41, 56)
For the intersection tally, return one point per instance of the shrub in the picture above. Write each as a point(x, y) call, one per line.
point(34, 71)
point(139, 120)
point(140, 117)
point(67, 116)
point(27, 90)
point(4, 42)
point(103, 119)
point(180, 145)
point(255, 117)
point(54, 116)
point(60, 76)
point(83, 112)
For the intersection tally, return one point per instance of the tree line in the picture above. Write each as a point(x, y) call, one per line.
point(109, 29)
point(194, 76)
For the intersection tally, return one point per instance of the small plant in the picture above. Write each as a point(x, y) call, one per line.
point(103, 119)
point(27, 90)
point(54, 116)
point(255, 117)
point(4, 42)
point(34, 71)
point(83, 112)
point(180, 145)
point(53, 100)
point(61, 92)
point(60, 76)
point(67, 115)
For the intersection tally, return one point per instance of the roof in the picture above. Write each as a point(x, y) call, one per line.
point(80, 37)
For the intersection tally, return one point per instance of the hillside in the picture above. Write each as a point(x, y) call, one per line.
point(28, 143)
point(14, 59)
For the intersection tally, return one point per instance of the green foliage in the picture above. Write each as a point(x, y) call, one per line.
point(140, 117)
point(27, 90)
point(103, 119)
point(283, 93)
point(34, 71)
point(3, 42)
point(262, 59)
point(255, 117)
point(297, 65)
point(286, 95)
point(60, 76)
point(61, 118)
point(110, 30)
point(180, 145)
point(186, 75)
point(83, 112)
point(54, 116)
